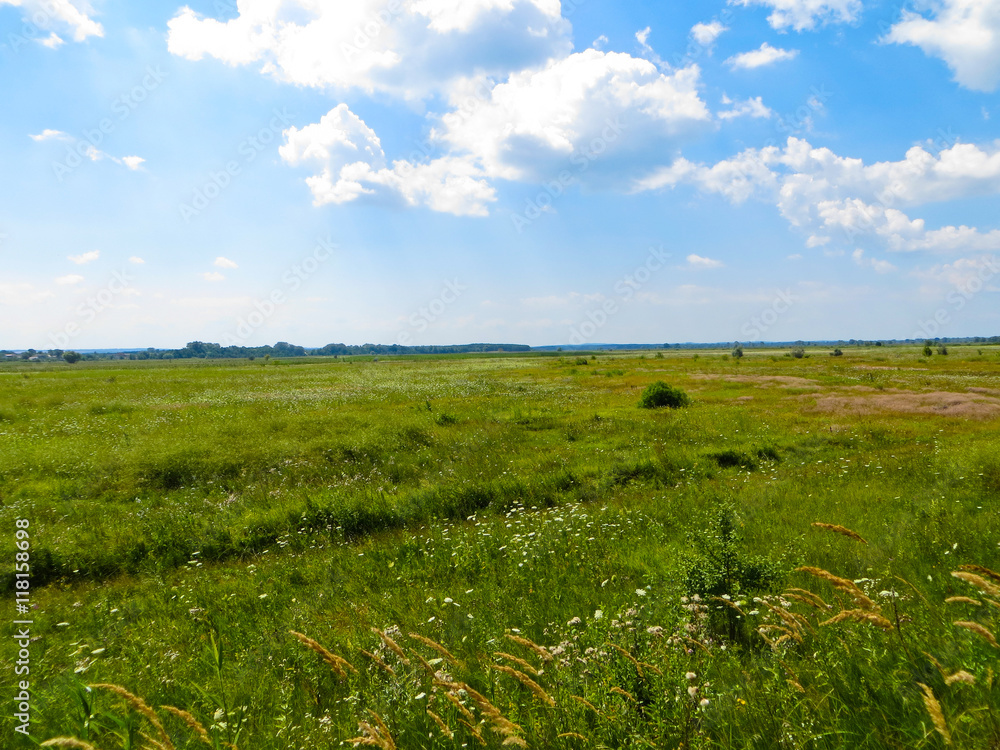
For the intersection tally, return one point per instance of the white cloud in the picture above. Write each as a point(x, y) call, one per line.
point(353, 165)
point(967, 274)
point(706, 33)
point(599, 42)
point(69, 279)
point(411, 48)
point(132, 162)
point(52, 41)
point(49, 134)
point(697, 261)
point(603, 111)
point(213, 276)
point(85, 257)
point(136, 259)
point(765, 55)
point(754, 108)
point(879, 266)
point(835, 198)
point(802, 15)
point(221, 262)
point(63, 13)
point(963, 33)
point(642, 36)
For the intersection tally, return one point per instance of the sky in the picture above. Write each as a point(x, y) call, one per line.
point(512, 171)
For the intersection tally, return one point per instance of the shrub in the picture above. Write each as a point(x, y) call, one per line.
point(798, 352)
point(737, 351)
point(660, 394)
point(836, 353)
point(928, 351)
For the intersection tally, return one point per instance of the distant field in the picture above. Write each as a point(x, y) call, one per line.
point(185, 516)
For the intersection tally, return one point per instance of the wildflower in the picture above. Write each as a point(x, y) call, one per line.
point(598, 614)
point(640, 592)
point(693, 691)
point(574, 621)
point(691, 676)
point(703, 703)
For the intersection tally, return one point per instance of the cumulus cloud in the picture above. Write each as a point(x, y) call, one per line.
point(213, 276)
point(833, 197)
point(963, 33)
point(591, 112)
point(69, 279)
point(352, 165)
point(136, 259)
point(879, 266)
point(802, 15)
point(753, 108)
point(411, 47)
point(85, 257)
point(48, 134)
point(222, 262)
point(706, 33)
point(697, 261)
point(764, 55)
point(59, 13)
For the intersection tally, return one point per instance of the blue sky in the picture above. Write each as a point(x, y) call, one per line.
point(525, 171)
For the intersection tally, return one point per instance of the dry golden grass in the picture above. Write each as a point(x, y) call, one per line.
point(981, 571)
point(445, 729)
point(445, 653)
point(375, 736)
point(975, 627)
point(942, 403)
point(806, 597)
point(542, 653)
point(981, 583)
point(963, 600)
point(842, 584)
point(68, 742)
point(587, 703)
point(574, 735)
point(935, 712)
point(624, 693)
point(842, 530)
point(525, 666)
point(860, 615)
point(392, 646)
point(960, 676)
point(529, 683)
point(378, 662)
point(141, 706)
point(338, 664)
point(191, 722)
point(627, 655)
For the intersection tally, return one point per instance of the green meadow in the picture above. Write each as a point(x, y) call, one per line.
point(487, 551)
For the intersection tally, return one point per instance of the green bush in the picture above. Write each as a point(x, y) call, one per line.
point(660, 394)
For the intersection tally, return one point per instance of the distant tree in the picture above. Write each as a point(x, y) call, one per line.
point(942, 349)
point(737, 351)
point(928, 351)
point(798, 352)
point(836, 353)
point(72, 357)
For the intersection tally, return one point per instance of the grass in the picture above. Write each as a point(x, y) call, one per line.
point(205, 534)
